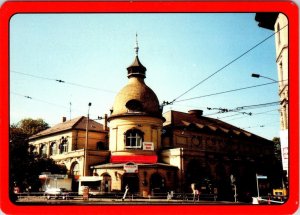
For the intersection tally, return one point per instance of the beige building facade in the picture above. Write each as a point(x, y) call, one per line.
point(135, 127)
point(278, 22)
point(65, 144)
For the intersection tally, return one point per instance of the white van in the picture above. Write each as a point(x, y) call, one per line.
point(92, 182)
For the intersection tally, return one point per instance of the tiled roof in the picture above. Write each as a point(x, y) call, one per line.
point(78, 123)
point(180, 119)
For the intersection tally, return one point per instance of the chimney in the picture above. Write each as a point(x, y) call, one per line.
point(105, 122)
point(64, 119)
point(196, 113)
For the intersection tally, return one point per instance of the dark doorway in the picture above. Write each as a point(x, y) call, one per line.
point(132, 180)
point(196, 174)
point(106, 183)
point(157, 183)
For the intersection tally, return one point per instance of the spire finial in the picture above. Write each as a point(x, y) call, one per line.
point(136, 45)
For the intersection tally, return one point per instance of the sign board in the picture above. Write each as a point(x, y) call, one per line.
point(148, 146)
point(130, 168)
point(261, 177)
point(56, 176)
point(53, 176)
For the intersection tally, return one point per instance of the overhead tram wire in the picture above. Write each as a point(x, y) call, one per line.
point(65, 82)
point(39, 100)
point(228, 91)
point(218, 119)
point(219, 70)
point(253, 114)
point(258, 105)
point(46, 102)
point(261, 126)
point(166, 102)
point(238, 109)
point(246, 116)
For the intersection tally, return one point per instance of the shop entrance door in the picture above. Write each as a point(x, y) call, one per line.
point(157, 184)
point(132, 180)
point(106, 183)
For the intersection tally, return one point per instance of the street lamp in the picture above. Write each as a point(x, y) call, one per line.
point(86, 141)
point(254, 75)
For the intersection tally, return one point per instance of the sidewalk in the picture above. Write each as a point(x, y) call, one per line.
point(111, 201)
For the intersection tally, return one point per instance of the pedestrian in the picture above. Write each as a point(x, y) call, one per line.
point(196, 195)
point(169, 196)
point(269, 198)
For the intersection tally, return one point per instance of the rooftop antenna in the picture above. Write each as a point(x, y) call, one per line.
point(136, 45)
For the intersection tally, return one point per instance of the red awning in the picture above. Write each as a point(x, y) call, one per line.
point(133, 158)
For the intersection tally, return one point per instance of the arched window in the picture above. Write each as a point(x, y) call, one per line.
point(75, 170)
point(53, 148)
point(63, 146)
point(43, 150)
point(133, 139)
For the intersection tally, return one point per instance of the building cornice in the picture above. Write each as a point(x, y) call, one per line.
point(112, 117)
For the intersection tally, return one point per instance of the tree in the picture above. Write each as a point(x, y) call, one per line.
point(24, 165)
point(32, 126)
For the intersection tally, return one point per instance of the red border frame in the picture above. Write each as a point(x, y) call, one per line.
point(8, 9)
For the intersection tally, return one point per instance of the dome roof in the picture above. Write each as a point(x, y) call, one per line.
point(136, 98)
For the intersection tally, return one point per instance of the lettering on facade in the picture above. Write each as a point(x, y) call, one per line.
point(130, 168)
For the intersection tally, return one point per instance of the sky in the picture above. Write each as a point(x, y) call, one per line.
point(90, 53)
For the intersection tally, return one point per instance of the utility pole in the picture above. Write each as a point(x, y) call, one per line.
point(257, 186)
point(85, 172)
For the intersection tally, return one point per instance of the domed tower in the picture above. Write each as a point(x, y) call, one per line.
point(136, 117)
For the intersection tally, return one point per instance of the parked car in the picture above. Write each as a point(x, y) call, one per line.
point(57, 193)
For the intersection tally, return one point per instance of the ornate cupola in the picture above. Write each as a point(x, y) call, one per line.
point(136, 69)
point(136, 116)
point(136, 98)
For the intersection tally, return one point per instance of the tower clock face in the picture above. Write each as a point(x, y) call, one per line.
point(196, 141)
